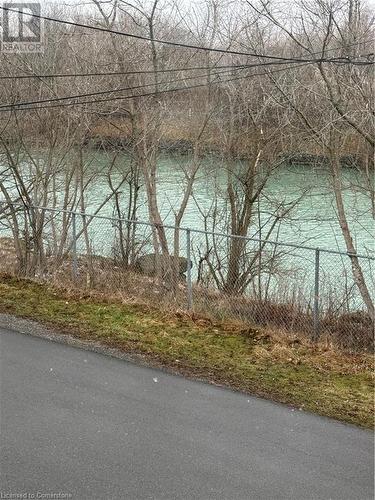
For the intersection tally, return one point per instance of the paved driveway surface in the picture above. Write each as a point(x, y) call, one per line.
point(80, 423)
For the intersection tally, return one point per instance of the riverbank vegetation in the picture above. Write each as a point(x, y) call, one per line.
point(267, 86)
point(309, 376)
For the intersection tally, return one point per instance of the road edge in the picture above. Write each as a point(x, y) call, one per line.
point(33, 328)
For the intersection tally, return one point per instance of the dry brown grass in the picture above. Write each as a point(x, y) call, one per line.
point(104, 277)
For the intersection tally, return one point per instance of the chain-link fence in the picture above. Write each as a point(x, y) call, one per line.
point(315, 292)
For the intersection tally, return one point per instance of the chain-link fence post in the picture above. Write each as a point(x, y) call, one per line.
point(189, 287)
point(74, 248)
point(316, 294)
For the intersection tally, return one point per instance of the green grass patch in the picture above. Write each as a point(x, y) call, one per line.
point(277, 366)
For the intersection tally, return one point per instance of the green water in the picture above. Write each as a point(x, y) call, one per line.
point(312, 222)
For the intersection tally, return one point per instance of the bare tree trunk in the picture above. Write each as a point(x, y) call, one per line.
point(356, 266)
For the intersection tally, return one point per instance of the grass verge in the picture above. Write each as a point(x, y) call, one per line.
point(265, 363)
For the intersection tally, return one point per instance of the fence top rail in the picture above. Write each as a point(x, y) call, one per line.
point(182, 228)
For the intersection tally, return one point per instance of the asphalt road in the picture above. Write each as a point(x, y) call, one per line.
point(80, 423)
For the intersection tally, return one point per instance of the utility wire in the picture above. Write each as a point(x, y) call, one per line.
point(168, 70)
point(142, 72)
point(168, 42)
point(148, 94)
point(114, 73)
point(122, 89)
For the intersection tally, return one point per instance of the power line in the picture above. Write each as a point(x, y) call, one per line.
point(103, 92)
point(168, 70)
point(148, 94)
point(141, 72)
point(171, 43)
